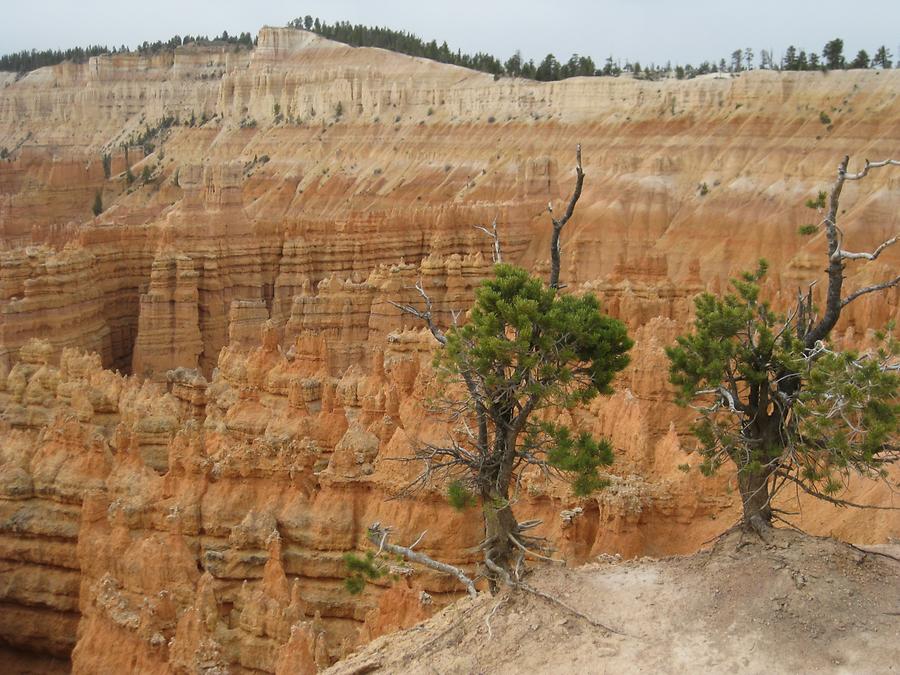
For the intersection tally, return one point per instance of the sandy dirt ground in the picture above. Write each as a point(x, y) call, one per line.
point(796, 604)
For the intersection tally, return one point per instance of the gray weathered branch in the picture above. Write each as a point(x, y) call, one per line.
point(847, 255)
point(870, 289)
point(426, 316)
point(872, 165)
point(378, 535)
point(834, 303)
point(496, 253)
point(833, 500)
point(560, 223)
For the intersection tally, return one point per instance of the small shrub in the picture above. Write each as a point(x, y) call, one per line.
point(129, 177)
point(824, 118)
point(107, 164)
point(430, 112)
point(360, 570)
point(146, 174)
point(4, 153)
point(808, 229)
point(818, 202)
point(491, 119)
point(459, 496)
point(338, 110)
point(397, 119)
point(704, 189)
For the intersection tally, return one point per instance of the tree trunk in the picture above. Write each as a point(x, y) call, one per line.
point(754, 487)
point(499, 524)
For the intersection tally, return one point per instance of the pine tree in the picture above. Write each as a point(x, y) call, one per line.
point(548, 70)
point(611, 67)
point(790, 59)
point(526, 348)
point(833, 53)
point(861, 60)
point(882, 58)
point(513, 65)
point(775, 399)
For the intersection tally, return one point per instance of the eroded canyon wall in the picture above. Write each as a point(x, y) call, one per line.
point(262, 210)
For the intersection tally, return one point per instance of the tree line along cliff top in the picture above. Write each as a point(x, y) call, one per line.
point(832, 56)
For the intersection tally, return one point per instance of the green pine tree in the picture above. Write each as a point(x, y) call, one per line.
point(775, 400)
point(882, 58)
point(833, 53)
point(526, 348)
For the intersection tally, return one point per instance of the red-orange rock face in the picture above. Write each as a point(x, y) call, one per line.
point(191, 511)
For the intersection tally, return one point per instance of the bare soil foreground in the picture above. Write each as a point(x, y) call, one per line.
point(798, 604)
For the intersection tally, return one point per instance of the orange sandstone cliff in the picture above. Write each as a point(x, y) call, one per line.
point(203, 387)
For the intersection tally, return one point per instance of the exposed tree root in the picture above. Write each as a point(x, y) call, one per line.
point(521, 585)
point(487, 620)
point(568, 608)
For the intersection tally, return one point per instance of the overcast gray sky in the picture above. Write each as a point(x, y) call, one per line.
point(644, 30)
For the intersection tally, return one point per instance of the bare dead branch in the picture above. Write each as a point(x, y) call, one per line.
point(496, 253)
point(378, 535)
point(559, 224)
point(872, 165)
point(870, 289)
point(834, 500)
point(847, 255)
point(834, 303)
point(835, 264)
point(418, 540)
point(730, 397)
point(425, 316)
